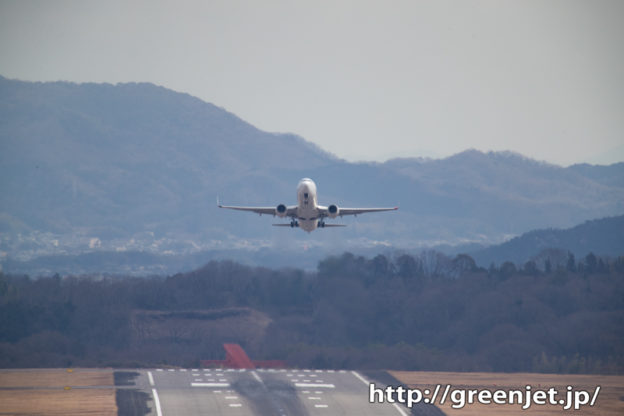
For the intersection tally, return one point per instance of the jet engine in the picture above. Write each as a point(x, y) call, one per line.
point(280, 210)
point(333, 211)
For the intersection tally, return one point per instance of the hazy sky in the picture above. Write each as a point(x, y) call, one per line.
point(365, 80)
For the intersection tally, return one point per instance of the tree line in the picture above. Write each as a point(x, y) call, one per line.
point(410, 312)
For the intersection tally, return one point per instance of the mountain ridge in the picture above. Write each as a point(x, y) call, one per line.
point(136, 166)
point(603, 237)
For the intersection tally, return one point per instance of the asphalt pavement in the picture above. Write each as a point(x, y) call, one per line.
point(279, 392)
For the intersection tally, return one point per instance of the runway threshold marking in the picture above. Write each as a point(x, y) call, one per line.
point(210, 384)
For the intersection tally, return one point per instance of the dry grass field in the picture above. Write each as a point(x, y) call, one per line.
point(610, 400)
point(55, 378)
point(52, 392)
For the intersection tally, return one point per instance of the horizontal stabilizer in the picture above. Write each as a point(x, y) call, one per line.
point(325, 226)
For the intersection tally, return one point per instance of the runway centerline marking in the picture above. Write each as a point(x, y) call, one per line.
point(317, 385)
point(151, 378)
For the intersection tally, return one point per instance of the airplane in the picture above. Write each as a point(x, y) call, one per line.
point(307, 214)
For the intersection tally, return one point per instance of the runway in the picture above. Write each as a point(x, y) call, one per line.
point(189, 392)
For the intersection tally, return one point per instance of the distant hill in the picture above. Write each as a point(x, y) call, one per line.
point(137, 167)
point(129, 158)
point(604, 237)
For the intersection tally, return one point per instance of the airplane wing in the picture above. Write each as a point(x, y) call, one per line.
point(324, 212)
point(290, 211)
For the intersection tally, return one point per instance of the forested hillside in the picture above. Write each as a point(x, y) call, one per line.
point(604, 236)
point(426, 312)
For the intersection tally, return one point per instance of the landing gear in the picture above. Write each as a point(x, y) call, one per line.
point(321, 224)
point(294, 223)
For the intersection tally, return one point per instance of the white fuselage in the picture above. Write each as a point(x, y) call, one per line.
point(307, 212)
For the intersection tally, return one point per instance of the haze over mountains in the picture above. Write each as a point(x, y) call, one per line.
point(138, 167)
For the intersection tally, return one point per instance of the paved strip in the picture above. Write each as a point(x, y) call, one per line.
point(260, 392)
